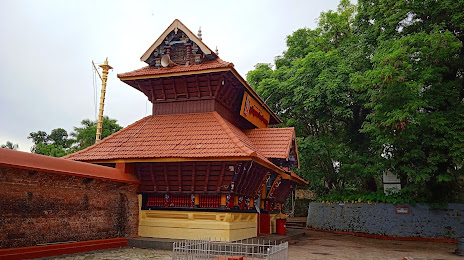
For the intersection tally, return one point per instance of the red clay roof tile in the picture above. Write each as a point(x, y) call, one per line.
point(202, 135)
point(272, 142)
point(149, 70)
point(297, 178)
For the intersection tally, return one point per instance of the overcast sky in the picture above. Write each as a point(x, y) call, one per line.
point(46, 49)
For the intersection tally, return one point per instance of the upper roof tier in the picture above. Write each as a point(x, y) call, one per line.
point(150, 71)
point(184, 76)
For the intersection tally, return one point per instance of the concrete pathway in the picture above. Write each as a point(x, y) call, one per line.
point(314, 245)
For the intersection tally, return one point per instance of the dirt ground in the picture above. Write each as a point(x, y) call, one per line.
point(314, 245)
point(323, 245)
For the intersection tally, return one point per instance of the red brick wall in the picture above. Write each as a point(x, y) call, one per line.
point(41, 207)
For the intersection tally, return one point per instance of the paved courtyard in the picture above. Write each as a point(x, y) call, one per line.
point(315, 245)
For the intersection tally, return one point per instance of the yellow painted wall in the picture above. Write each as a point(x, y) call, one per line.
point(273, 223)
point(223, 226)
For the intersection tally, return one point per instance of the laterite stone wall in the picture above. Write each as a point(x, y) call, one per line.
point(382, 219)
point(41, 207)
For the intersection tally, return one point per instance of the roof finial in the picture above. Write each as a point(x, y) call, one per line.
point(217, 52)
point(199, 33)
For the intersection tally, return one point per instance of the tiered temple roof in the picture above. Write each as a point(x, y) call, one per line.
point(208, 127)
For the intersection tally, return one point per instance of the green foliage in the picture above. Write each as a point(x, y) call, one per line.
point(310, 89)
point(84, 136)
point(378, 86)
point(10, 145)
point(415, 88)
point(38, 137)
point(403, 196)
point(58, 144)
point(51, 150)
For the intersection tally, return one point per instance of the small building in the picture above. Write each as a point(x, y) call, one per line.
point(208, 163)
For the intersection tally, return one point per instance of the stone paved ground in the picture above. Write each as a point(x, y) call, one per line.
point(120, 253)
point(315, 245)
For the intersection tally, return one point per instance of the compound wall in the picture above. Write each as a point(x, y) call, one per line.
point(388, 220)
point(38, 207)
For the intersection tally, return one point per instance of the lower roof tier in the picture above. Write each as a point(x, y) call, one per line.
point(189, 137)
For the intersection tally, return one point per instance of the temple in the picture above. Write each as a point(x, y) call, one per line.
point(208, 163)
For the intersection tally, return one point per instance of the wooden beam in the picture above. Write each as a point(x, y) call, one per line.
point(137, 172)
point(174, 88)
point(209, 86)
point(271, 167)
point(221, 176)
point(263, 181)
point(179, 177)
point(198, 86)
point(243, 176)
point(208, 169)
point(249, 179)
point(259, 178)
point(220, 86)
point(193, 176)
point(226, 95)
point(237, 178)
point(192, 98)
point(273, 188)
point(260, 171)
point(186, 86)
point(152, 91)
point(162, 89)
point(166, 177)
point(152, 174)
point(144, 91)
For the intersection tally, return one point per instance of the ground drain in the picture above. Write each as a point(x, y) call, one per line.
point(321, 253)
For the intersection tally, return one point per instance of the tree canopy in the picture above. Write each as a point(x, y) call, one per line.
point(84, 136)
point(375, 86)
point(10, 145)
point(58, 143)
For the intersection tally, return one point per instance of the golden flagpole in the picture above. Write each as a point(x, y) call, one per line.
point(104, 78)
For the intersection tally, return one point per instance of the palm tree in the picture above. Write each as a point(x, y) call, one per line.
point(10, 145)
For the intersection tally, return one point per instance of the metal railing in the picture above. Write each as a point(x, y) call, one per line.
point(249, 249)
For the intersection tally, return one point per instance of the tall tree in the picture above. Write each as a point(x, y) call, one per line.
point(58, 143)
point(38, 137)
point(84, 136)
point(10, 145)
point(310, 89)
point(416, 91)
point(374, 88)
point(55, 144)
point(59, 136)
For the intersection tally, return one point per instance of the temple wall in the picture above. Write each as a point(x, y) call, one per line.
point(42, 207)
